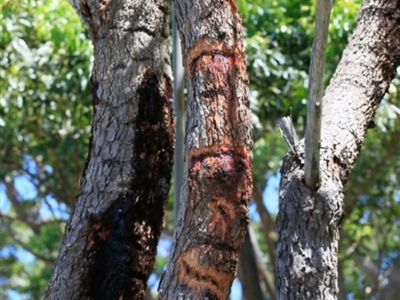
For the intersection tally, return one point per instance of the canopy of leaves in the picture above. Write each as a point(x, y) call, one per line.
point(45, 120)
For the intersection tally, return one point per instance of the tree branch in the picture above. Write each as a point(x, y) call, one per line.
point(47, 260)
point(58, 193)
point(315, 91)
point(390, 290)
point(21, 213)
point(31, 223)
point(179, 106)
point(267, 225)
point(248, 270)
point(269, 282)
point(393, 145)
point(368, 268)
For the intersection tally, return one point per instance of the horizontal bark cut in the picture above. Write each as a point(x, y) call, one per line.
point(217, 183)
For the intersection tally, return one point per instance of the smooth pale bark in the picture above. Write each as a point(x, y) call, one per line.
point(264, 273)
point(248, 271)
point(315, 93)
point(268, 231)
point(218, 180)
point(309, 221)
point(180, 110)
point(110, 241)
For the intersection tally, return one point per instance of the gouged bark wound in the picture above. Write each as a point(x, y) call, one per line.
point(226, 175)
point(219, 71)
point(218, 182)
point(197, 276)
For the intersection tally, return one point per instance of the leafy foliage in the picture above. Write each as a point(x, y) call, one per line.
point(45, 116)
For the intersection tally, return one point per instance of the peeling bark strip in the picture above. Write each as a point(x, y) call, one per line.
point(110, 244)
point(218, 183)
point(308, 222)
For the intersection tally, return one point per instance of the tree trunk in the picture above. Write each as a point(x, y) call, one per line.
point(218, 181)
point(308, 222)
point(248, 270)
point(110, 242)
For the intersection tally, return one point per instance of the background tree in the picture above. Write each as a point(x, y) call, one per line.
point(47, 133)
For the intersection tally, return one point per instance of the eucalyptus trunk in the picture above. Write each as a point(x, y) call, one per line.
point(217, 183)
point(110, 242)
point(309, 221)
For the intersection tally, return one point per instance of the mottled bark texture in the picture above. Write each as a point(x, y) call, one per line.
point(217, 183)
point(308, 222)
point(110, 241)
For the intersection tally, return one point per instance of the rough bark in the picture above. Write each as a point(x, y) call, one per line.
point(218, 181)
point(308, 222)
point(110, 241)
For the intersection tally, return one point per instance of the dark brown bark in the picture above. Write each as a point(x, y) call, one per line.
point(308, 222)
point(218, 181)
point(110, 242)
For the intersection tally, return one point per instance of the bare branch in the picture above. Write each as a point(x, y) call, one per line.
point(390, 290)
point(368, 268)
point(269, 282)
point(315, 91)
point(267, 225)
point(49, 261)
point(31, 223)
point(179, 106)
point(248, 270)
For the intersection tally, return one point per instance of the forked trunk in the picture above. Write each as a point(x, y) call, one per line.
point(309, 222)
